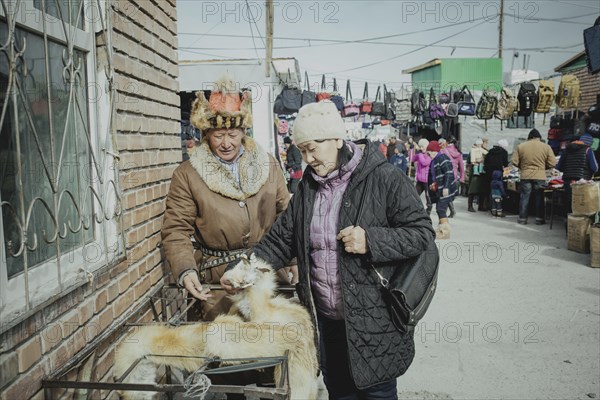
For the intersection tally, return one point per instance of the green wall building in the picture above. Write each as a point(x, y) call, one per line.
point(445, 73)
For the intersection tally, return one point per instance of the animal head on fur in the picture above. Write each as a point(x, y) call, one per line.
point(247, 271)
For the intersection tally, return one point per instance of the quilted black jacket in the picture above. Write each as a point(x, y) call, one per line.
point(397, 227)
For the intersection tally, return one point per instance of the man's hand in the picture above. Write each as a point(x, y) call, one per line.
point(354, 239)
point(192, 285)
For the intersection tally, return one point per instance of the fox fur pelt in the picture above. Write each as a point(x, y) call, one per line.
point(259, 324)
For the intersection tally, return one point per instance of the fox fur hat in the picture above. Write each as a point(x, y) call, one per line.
point(226, 108)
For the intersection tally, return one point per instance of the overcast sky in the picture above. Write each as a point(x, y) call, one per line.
point(324, 35)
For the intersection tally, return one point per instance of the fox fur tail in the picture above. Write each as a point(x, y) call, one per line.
point(188, 347)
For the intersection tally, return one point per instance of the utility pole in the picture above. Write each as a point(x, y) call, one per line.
point(501, 29)
point(269, 55)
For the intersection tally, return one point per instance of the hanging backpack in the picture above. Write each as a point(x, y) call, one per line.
point(435, 110)
point(545, 96)
point(307, 95)
point(486, 107)
point(389, 99)
point(418, 105)
point(568, 92)
point(507, 104)
point(465, 103)
point(323, 94)
point(403, 106)
point(527, 98)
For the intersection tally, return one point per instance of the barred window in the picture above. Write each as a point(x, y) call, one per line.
point(58, 175)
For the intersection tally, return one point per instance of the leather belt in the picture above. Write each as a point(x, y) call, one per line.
point(223, 257)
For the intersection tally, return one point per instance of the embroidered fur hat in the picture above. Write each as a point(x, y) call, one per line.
point(318, 121)
point(226, 108)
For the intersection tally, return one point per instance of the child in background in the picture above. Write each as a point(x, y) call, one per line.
point(398, 160)
point(497, 189)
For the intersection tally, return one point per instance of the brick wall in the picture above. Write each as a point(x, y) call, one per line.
point(589, 87)
point(147, 123)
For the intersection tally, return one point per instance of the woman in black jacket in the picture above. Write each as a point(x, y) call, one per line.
point(361, 352)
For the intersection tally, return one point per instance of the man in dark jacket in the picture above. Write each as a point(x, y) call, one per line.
point(392, 145)
point(293, 164)
point(361, 352)
point(577, 162)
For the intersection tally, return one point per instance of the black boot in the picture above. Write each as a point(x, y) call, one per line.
point(452, 210)
point(470, 201)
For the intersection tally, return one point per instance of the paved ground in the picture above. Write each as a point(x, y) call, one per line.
point(516, 316)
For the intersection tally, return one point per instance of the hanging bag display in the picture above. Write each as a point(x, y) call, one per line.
point(366, 106)
point(289, 100)
point(307, 96)
point(410, 285)
point(568, 92)
point(378, 106)
point(545, 96)
point(336, 98)
point(466, 105)
point(389, 98)
point(591, 41)
point(323, 94)
point(486, 107)
point(403, 113)
point(435, 110)
point(452, 108)
point(350, 108)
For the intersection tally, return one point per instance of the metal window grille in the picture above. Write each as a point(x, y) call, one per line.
point(59, 196)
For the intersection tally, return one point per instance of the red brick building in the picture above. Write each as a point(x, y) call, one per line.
point(89, 139)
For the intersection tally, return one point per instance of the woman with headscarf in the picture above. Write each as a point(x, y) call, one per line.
point(476, 178)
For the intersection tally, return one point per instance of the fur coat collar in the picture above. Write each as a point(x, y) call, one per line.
point(254, 170)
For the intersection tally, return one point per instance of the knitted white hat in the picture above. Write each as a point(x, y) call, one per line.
point(423, 143)
point(318, 121)
point(503, 143)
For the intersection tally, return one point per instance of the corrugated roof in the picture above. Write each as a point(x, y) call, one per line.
point(429, 64)
point(569, 61)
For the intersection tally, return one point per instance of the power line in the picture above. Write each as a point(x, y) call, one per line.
point(412, 51)
point(558, 20)
point(252, 32)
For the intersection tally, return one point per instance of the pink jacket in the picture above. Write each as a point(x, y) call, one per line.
point(457, 161)
point(422, 161)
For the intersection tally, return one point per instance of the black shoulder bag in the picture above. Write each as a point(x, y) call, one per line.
point(408, 292)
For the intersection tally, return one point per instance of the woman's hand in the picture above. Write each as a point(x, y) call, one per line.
point(192, 285)
point(227, 286)
point(354, 239)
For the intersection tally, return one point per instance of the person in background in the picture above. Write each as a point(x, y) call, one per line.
point(361, 353)
point(226, 196)
point(398, 160)
point(293, 164)
point(449, 149)
point(422, 161)
point(497, 193)
point(392, 144)
point(410, 147)
point(442, 186)
point(533, 158)
point(495, 160)
point(576, 162)
point(476, 178)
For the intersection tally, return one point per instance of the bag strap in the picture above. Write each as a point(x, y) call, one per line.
point(323, 87)
point(366, 92)
point(377, 95)
point(335, 89)
point(306, 80)
point(468, 91)
point(348, 91)
point(361, 206)
point(385, 97)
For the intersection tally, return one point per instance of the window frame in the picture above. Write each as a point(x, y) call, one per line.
point(37, 285)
